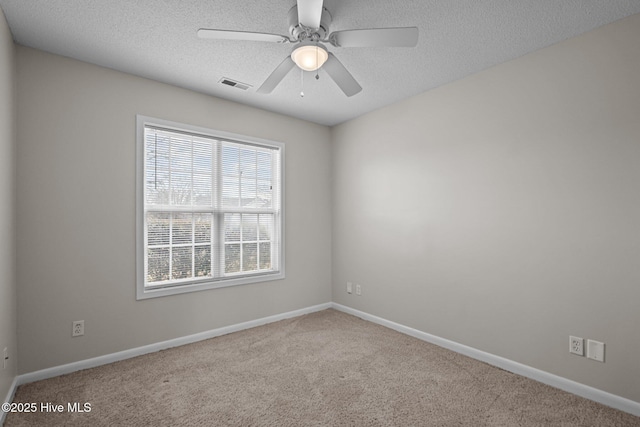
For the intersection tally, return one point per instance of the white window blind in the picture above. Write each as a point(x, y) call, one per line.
point(211, 209)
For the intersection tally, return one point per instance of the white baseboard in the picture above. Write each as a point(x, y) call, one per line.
point(9, 398)
point(570, 386)
point(151, 348)
point(556, 381)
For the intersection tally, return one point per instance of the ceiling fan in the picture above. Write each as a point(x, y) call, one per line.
point(309, 24)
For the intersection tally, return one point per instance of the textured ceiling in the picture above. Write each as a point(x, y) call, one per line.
point(157, 39)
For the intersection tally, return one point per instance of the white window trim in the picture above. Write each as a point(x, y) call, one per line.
point(141, 291)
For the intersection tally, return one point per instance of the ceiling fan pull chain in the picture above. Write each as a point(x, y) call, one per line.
point(301, 83)
point(317, 62)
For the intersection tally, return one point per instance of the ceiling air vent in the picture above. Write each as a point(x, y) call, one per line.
point(233, 83)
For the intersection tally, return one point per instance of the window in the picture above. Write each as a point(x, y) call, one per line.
point(209, 209)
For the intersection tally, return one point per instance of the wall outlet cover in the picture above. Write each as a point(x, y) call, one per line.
point(77, 329)
point(576, 345)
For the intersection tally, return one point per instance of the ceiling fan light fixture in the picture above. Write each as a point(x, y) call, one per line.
point(310, 57)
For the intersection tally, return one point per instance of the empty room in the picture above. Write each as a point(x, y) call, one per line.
point(308, 212)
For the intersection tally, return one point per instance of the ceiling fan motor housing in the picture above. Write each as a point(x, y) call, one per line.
point(300, 33)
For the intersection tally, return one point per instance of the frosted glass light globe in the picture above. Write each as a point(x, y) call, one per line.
point(310, 57)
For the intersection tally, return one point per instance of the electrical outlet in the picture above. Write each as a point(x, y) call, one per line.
point(349, 287)
point(78, 328)
point(576, 345)
point(5, 357)
point(595, 350)
point(358, 289)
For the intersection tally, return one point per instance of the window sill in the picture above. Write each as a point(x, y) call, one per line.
point(145, 293)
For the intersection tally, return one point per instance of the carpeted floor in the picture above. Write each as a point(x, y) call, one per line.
point(322, 369)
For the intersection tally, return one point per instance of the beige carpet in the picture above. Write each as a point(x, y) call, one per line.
point(322, 369)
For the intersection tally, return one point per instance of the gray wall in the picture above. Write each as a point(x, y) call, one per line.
point(503, 211)
point(8, 301)
point(76, 203)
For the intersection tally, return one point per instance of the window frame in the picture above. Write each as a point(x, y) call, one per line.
point(234, 279)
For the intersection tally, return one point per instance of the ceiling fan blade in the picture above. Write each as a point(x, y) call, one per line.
point(310, 13)
point(341, 76)
point(205, 33)
point(277, 75)
point(376, 37)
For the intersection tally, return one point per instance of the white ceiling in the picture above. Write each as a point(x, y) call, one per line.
point(157, 39)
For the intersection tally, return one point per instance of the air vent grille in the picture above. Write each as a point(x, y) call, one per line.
point(234, 83)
